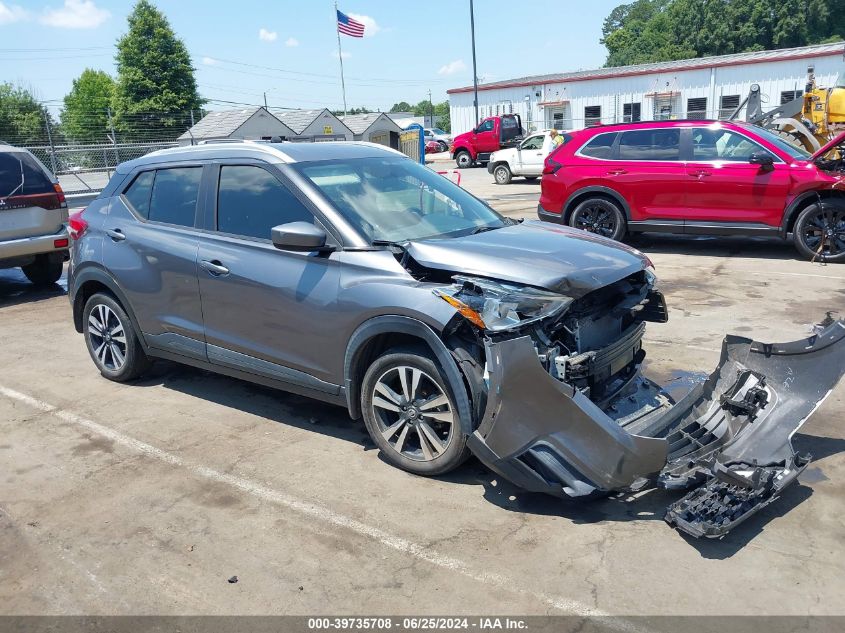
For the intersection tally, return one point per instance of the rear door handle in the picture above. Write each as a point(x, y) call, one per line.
point(214, 267)
point(617, 172)
point(701, 173)
point(116, 235)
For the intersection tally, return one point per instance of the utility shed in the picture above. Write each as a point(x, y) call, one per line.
point(315, 125)
point(375, 127)
point(247, 124)
point(701, 88)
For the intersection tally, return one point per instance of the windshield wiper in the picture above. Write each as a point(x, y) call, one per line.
point(485, 228)
point(400, 245)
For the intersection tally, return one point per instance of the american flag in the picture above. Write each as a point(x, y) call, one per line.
point(349, 26)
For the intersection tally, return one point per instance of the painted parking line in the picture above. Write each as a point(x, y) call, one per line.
point(321, 513)
point(767, 273)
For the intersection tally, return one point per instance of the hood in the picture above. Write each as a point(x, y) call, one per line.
point(560, 259)
point(466, 136)
point(837, 140)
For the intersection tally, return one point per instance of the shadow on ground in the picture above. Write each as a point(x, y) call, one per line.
point(16, 289)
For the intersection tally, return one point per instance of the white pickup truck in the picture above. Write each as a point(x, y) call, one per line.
point(526, 159)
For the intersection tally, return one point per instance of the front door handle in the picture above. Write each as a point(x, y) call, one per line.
point(116, 235)
point(701, 173)
point(214, 267)
point(617, 172)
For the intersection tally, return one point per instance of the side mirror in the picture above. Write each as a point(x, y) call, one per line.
point(762, 159)
point(298, 236)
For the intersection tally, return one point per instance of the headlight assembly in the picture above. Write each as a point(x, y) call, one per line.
point(497, 306)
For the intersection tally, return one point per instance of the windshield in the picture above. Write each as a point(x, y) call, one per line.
point(437, 130)
point(396, 199)
point(782, 144)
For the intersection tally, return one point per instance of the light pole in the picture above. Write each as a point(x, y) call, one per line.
point(474, 71)
point(430, 111)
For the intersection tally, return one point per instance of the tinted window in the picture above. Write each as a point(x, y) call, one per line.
point(139, 191)
point(663, 144)
point(715, 144)
point(599, 146)
point(485, 127)
point(174, 198)
point(20, 167)
point(251, 201)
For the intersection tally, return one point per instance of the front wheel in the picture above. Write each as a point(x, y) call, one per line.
point(819, 232)
point(502, 174)
point(463, 160)
point(410, 413)
point(599, 216)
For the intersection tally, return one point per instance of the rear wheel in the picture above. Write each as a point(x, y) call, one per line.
point(111, 340)
point(819, 232)
point(410, 413)
point(502, 174)
point(600, 216)
point(443, 146)
point(463, 159)
point(45, 270)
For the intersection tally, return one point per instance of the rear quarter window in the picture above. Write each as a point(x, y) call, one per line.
point(600, 146)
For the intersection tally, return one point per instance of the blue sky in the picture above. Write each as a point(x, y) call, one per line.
point(289, 47)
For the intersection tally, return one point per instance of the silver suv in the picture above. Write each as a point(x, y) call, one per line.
point(33, 212)
point(349, 273)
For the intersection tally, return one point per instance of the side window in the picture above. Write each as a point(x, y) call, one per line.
point(139, 192)
point(535, 142)
point(714, 144)
point(21, 174)
point(661, 144)
point(251, 201)
point(599, 146)
point(486, 126)
point(175, 192)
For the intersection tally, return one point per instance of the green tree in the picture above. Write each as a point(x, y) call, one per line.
point(659, 30)
point(85, 115)
point(156, 89)
point(402, 106)
point(442, 116)
point(22, 118)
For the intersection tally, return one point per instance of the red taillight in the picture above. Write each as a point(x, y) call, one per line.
point(62, 243)
point(77, 224)
point(60, 194)
point(551, 166)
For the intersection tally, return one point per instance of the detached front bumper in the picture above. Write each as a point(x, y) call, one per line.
point(728, 439)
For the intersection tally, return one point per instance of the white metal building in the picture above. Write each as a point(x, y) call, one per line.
point(705, 88)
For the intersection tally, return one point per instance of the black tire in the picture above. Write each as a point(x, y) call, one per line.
point(443, 146)
point(531, 178)
point(120, 339)
point(463, 159)
point(819, 231)
point(502, 174)
point(599, 216)
point(45, 270)
point(416, 452)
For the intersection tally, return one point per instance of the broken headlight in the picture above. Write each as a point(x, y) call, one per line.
point(495, 306)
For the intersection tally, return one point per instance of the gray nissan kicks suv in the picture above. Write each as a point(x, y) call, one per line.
point(349, 273)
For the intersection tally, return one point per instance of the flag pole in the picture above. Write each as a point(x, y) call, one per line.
point(340, 57)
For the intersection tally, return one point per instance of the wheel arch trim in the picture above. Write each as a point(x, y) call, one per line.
point(569, 205)
point(790, 216)
point(91, 273)
point(394, 324)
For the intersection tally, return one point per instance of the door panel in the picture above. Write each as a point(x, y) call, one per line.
point(531, 154)
point(725, 187)
point(486, 137)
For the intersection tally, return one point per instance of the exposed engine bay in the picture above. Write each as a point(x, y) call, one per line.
point(563, 407)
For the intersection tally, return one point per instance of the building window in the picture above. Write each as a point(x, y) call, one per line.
point(727, 104)
point(631, 112)
point(789, 95)
point(697, 108)
point(592, 116)
point(665, 107)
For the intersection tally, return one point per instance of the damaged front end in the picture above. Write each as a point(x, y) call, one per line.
point(569, 413)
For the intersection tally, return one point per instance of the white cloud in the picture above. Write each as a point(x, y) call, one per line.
point(267, 36)
point(345, 55)
point(371, 27)
point(291, 42)
point(452, 67)
point(75, 14)
point(209, 61)
point(10, 13)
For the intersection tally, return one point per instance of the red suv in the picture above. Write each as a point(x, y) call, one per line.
point(699, 177)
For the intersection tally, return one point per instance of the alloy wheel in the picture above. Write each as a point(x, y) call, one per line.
point(413, 413)
point(824, 232)
point(596, 219)
point(108, 337)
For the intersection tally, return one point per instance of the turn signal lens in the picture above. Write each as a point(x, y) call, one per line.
point(465, 311)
